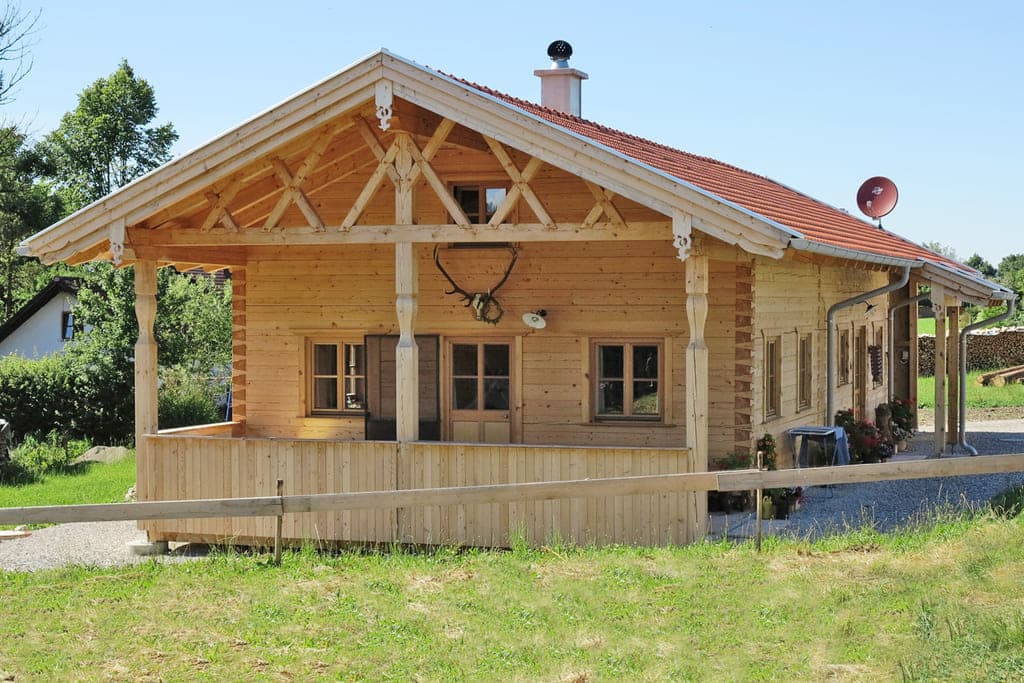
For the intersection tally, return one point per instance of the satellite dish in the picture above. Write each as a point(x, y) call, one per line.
point(877, 197)
point(535, 320)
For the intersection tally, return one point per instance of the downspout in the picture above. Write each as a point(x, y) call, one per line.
point(892, 339)
point(1011, 305)
point(830, 337)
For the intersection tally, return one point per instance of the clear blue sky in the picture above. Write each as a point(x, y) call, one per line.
point(819, 96)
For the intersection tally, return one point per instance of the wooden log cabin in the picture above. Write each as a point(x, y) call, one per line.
point(685, 305)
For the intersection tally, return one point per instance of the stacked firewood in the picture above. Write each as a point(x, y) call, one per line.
point(984, 351)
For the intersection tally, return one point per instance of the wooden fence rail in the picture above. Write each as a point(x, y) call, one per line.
point(730, 480)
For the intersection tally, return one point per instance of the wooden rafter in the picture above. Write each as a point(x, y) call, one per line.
point(520, 186)
point(404, 145)
point(293, 183)
point(220, 212)
point(385, 167)
point(603, 206)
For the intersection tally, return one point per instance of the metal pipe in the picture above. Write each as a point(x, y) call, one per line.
point(1011, 305)
point(892, 340)
point(830, 337)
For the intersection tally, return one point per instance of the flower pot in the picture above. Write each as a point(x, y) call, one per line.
point(902, 445)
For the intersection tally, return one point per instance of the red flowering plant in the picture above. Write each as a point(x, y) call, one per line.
point(903, 412)
point(866, 444)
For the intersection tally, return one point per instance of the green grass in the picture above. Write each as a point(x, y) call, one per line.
point(1010, 395)
point(86, 483)
point(945, 601)
point(926, 326)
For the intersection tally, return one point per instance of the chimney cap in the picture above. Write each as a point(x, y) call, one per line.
point(559, 51)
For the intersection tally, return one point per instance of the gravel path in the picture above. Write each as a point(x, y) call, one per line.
point(890, 504)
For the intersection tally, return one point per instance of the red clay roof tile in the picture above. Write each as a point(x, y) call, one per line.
point(817, 221)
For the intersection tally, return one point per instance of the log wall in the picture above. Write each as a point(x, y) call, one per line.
point(188, 467)
point(597, 290)
point(791, 299)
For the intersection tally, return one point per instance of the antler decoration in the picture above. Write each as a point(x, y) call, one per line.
point(485, 307)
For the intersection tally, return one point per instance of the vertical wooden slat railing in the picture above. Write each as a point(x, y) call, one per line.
point(194, 467)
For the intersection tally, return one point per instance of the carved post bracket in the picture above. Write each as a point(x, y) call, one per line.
point(682, 233)
point(116, 237)
point(384, 99)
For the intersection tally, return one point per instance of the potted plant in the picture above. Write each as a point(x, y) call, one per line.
point(729, 501)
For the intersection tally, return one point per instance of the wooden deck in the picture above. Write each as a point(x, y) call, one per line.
point(187, 466)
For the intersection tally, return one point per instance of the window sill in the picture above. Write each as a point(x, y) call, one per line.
point(340, 414)
point(626, 422)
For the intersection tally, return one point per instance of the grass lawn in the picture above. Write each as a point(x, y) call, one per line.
point(92, 483)
point(926, 326)
point(977, 396)
point(943, 602)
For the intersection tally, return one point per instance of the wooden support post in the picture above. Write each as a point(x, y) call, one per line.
point(280, 523)
point(145, 368)
point(939, 306)
point(953, 371)
point(697, 372)
point(760, 503)
point(914, 360)
point(406, 353)
point(406, 288)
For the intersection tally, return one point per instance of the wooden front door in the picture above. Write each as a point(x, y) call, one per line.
point(480, 391)
point(860, 374)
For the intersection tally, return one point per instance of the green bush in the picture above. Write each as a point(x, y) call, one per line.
point(35, 458)
point(35, 395)
point(186, 399)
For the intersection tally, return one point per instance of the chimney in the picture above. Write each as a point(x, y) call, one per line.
point(560, 84)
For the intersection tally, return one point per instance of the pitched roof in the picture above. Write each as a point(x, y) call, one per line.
point(814, 219)
point(58, 285)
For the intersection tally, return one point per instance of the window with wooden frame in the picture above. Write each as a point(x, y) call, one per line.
point(67, 326)
point(627, 380)
point(337, 377)
point(843, 362)
point(805, 372)
point(479, 202)
point(772, 383)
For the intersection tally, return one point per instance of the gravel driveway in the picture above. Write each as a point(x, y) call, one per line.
point(885, 504)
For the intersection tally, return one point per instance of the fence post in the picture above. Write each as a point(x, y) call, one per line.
point(280, 521)
point(759, 505)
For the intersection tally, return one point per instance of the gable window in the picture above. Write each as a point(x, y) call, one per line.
point(627, 382)
point(479, 202)
point(804, 372)
point(772, 386)
point(844, 357)
point(337, 377)
point(67, 326)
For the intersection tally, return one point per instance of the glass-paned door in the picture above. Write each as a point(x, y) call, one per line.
point(480, 391)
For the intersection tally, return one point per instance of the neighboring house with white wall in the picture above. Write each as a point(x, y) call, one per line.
point(44, 324)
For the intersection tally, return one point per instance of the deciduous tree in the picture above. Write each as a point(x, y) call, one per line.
point(107, 141)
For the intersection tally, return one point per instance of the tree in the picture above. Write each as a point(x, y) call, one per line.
point(942, 250)
point(107, 142)
point(16, 30)
point(981, 265)
point(1011, 273)
point(26, 206)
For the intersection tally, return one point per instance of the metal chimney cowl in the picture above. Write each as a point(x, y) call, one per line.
point(560, 85)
